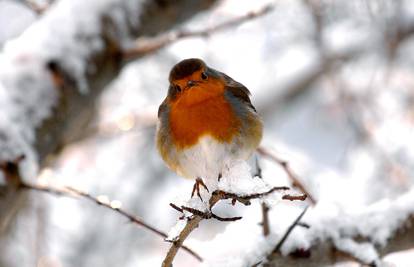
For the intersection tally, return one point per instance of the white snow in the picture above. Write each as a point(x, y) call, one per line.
point(27, 94)
point(237, 178)
point(16, 16)
point(364, 188)
point(176, 230)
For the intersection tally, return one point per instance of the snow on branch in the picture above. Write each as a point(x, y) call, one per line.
point(12, 173)
point(363, 235)
point(233, 185)
point(51, 75)
point(103, 201)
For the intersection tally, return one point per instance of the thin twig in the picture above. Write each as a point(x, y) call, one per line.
point(285, 165)
point(265, 219)
point(36, 7)
point(204, 214)
point(264, 207)
point(292, 197)
point(245, 199)
point(289, 230)
point(145, 46)
point(73, 192)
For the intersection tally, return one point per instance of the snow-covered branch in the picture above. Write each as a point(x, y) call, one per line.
point(101, 201)
point(193, 216)
point(364, 235)
point(51, 75)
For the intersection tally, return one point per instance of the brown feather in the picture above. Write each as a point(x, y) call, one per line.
point(238, 90)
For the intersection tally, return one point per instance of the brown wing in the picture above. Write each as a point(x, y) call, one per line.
point(238, 90)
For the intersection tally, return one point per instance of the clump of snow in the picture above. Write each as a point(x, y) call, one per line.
point(16, 16)
point(194, 202)
point(241, 244)
point(237, 178)
point(175, 231)
point(362, 251)
point(70, 32)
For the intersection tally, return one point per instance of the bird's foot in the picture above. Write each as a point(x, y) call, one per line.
point(196, 187)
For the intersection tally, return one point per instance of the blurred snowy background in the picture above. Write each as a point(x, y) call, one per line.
point(333, 81)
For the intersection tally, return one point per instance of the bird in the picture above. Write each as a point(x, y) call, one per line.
point(205, 122)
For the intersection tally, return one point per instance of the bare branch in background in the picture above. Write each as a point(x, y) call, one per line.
point(265, 219)
point(264, 207)
point(354, 107)
point(285, 165)
point(36, 7)
point(67, 191)
point(287, 233)
point(148, 45)
point(315, 10)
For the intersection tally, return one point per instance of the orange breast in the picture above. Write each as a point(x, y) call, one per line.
point(201, 111)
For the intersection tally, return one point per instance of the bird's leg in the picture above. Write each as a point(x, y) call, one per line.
point(219, 176)
point(196, 187)
point(258, 169)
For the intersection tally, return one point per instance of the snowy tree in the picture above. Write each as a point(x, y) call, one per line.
point(81, 183)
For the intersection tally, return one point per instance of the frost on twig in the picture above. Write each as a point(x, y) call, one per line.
point(235, 185)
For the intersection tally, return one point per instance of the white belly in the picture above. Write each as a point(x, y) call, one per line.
point(208, 158)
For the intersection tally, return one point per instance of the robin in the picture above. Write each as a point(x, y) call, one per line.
point(205, 122)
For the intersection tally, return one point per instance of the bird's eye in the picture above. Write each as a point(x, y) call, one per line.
point(204, 76)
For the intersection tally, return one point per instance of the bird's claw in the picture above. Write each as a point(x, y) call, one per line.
point(196, 188)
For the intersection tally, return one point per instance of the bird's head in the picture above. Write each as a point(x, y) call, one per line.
point(192, 75)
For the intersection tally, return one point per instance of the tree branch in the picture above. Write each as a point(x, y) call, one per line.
point(191, 224)
point(145, 46)
point(294, 197)
point(67, 191)
point(285, 165)
point(198, 216)
point(245, 199)
point(288, 231)
point(204, 214)
point(264, 207)
point(265, 219)
point(325, 251)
